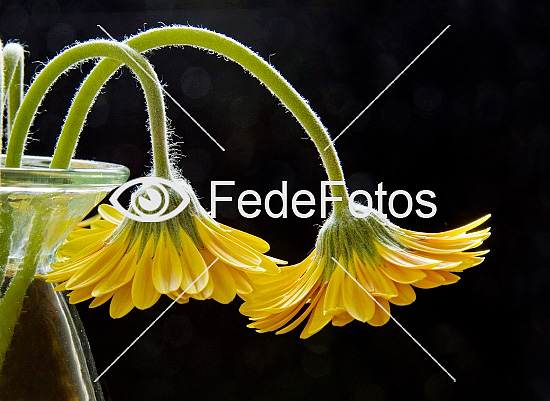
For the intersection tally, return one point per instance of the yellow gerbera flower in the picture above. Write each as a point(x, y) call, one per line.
point(378, 256)
point(133, 263)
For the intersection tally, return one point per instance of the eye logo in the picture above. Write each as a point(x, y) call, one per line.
point(151, 201)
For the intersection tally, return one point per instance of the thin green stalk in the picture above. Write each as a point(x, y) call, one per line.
point(6, 228)
point(1, 97)
point(12, 302)
point(5, 219)
point(231, 49)
point(14, 56)
point(74, 55)
point(11, 82)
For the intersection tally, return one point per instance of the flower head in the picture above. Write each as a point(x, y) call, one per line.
point(378, 263)
point(133, 263)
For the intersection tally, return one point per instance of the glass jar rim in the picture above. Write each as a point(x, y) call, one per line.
point(35, 172)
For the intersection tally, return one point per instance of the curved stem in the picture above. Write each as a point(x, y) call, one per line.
point(233, 50)
point(74, 55)
point(14, 57)
point(80, 107)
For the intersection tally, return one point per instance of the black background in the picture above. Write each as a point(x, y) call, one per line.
point(469, 121)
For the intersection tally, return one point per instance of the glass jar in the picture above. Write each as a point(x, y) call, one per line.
point(44, 353)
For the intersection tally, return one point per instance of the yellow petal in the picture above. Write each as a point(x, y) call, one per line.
point(318, 296)
point(144, 294)
point(450, 278)
point(82, 254)
point(303, 286)
point(103, 225)
point(120, 275)
point(90, 234)
point(87, 222)
point(100, 300)
point(255, 245)
point(194, 278)
point(277, 261)
point(79, 295)
point(341, 319)
point(317, 320)
point(452, 266)
point(356, 301)
point(402, 275)
point(206, 291)
point(286, 275)
point(457, 239)
point(432, 280)
point(251, 240)
point(456, 231)
point(227, 249)
point(224, 284)
point(404, 258)
point(243, 284)
point(439, 248)
point(373, 278)
point(178, 296)
point(461, 260)
point(381, 315)
point(167, 275)
point(110, 214)
point(277, 293)
point(122, 302)
point(62, 275)
point(97, 266)
point(406, 295)
point(269, 264)
point(60, 287)
point(275, 321)
point(333, 298)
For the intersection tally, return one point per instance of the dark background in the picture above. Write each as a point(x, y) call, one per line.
point(469, 121)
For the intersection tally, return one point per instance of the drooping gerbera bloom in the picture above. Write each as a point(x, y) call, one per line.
point(374, 256)
point(133, 263)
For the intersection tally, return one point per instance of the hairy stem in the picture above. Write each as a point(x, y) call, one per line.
point(233, 50)
point(12, 302)
point(6, 228)
point(13, 55)
point(5, 218)
point(1, 97)
point(72, 56)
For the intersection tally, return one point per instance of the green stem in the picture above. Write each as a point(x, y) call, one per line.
point(1, 97)
point(5, 218)
point(233, 50)
point(74, 55)
point(14, 56)
point(6, 228)
point(12, 302)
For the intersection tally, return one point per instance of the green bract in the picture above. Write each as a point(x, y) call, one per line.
point(344, 238)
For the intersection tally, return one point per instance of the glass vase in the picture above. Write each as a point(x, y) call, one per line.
point(44, 353)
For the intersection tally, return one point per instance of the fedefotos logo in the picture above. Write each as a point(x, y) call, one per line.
point(151, 202)
point(303, 202)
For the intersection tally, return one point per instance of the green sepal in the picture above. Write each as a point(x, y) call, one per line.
point(341, 237)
